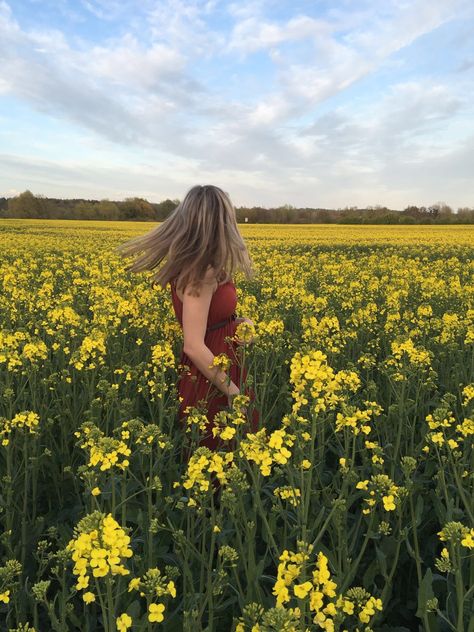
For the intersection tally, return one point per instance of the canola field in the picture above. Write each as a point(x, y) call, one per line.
point(352, 509)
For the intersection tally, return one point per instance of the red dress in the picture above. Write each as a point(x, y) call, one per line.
point(193, 386)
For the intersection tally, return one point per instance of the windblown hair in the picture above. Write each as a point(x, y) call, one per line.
point(200, 232)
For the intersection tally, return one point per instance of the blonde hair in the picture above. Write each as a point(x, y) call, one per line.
point(201, 232)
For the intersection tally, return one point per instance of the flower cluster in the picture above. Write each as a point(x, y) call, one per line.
point(380, 488)
point(467, 394)
point(26, 420)
point(91, 352)
point(457, 533)
point(202, 464)
point(97, 549)
point(221, 361)
point(289, 569)
point(269, 332)
point(265, 450)
point(34, 351)
point(377, 455)
point(451, 327)
point(19, 349)
point(329, 609)
point(154, 584)
point(145, 435)
point(162, 356)
point(291, 494)
point(444, 429)
point(244, 333)
point(196, 417)
point(406, 359)
point(315, 380)
point(10, 353)
point(325, 332)
point(225, 422)
point(356, 419)
point(357, 601)
point(105, 452)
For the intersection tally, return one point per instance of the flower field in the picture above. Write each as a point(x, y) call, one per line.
point(352, 509)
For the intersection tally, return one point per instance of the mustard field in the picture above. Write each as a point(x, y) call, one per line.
point(351, 509)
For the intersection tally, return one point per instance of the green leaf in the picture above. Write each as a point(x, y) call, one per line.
point(382, 560)
point(425, 592)
point(419, 510)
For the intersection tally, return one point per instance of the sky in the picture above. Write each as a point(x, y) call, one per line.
point(318, 103)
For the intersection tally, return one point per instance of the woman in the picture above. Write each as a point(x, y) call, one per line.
point(203, 248)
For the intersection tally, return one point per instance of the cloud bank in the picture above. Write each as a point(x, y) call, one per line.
point(273, 101)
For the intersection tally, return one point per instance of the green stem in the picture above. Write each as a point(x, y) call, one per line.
point(102, 607)
point(417, 553)
point(110, 604)
point(459, 590)
point(350, 574)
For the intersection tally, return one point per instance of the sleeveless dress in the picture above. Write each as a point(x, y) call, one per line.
point(193, 386)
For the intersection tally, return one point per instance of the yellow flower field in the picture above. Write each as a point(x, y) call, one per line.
point(351, 509)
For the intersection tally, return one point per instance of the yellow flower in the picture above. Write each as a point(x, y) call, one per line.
point(388, 503)
point(228, 433)
point(5, 596)
point(468, 540)
point(95, 491)
point(301, 590)
point(82, 582)
point(133, 584)
point(88, 597)
point(123, 622)
point(156, 612)
point(171, 588)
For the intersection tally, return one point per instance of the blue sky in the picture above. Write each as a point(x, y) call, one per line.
point(311, 103)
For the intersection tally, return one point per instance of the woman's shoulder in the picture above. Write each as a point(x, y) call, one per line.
point(219, 277)
point(211, 277)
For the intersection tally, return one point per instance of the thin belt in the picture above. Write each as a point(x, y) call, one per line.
point(232, 317)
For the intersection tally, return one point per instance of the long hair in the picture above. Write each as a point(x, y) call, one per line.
point(200, 232)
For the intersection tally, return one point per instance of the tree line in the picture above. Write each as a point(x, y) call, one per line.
point(26, 205)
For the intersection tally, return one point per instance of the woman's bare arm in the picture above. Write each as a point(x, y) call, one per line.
point(195, 314)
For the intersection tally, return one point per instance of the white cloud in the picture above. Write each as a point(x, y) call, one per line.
point(128, 63)
point(251, 34)
point(183, 24)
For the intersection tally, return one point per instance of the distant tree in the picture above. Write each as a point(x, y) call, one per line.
point(3, 207)
point(107, 210)
point(411, 211)
point(406, 219)
point(444, 213)
point(136, 208)
point(25, 205)
point(465, 215)
point(163, 209)
point(83, 209)
point(323, 217)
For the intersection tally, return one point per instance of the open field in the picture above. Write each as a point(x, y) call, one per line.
point(352, 508)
